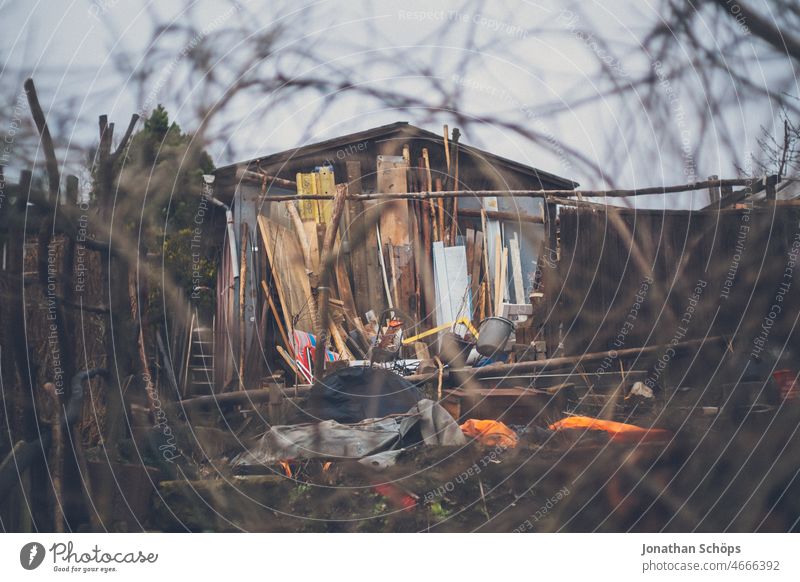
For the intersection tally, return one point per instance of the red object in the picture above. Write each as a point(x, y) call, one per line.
point(396, 496)
point(787, 383)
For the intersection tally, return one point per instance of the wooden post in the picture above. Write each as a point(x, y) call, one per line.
point(550, 279)
point(51, 414)
point(275, 403)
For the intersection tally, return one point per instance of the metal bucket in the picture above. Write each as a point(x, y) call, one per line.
point(493, 335)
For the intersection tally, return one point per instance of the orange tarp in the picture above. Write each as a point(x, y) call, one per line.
point(619, 431)
point(490, 433)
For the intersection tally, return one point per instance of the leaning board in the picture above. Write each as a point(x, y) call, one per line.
point(289, 274)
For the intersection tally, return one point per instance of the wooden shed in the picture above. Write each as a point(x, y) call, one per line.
point(244, 333)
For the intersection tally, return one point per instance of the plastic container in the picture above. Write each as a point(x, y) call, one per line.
point(493, 335)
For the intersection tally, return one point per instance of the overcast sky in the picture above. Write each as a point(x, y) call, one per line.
point(530, 57)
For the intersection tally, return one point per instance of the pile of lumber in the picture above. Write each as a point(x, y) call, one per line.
point(346, 261)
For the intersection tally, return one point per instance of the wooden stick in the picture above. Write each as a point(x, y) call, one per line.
point(282, 182)
point(440, 204)
point(454, 223)
point(288, 359)
point(392, 274)
point(538, 365)
point(324, 282)
point(446, 149)
point(499, 253)
point(482, 301)
point(242, 397)
point(429, 187)
point(344, 353)
point(447, 181)
point(555, 193)
point(503, 280)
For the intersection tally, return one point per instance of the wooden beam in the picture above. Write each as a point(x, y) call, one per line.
point(530, 193)
point(532, 367)
point(506, 216)
point(239, 398)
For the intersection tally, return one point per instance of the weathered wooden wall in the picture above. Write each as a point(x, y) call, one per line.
point(736, 259)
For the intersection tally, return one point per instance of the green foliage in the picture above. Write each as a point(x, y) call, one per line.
point(159, 181)
point(158, 122)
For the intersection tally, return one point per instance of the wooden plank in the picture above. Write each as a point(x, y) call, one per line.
point(343, 288)
point(302, 237)
point(308, 211)
point(501, 297)
point(338, 341)
point(492, 232)
point(377, 301)
point(394, 219)
point(395, 234)
point(516, 270)
point(288, 272)
point(402, 260)
point(310, 233)
point(326, 185)
point(306, 184)
point(469, 242)
point(487, 277)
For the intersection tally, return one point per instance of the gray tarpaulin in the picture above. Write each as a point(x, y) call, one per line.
point(435, 425)
point(426, 422)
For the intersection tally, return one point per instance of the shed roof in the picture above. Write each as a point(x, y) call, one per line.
point(399, 129)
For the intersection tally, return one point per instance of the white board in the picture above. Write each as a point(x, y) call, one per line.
point(452, 283)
